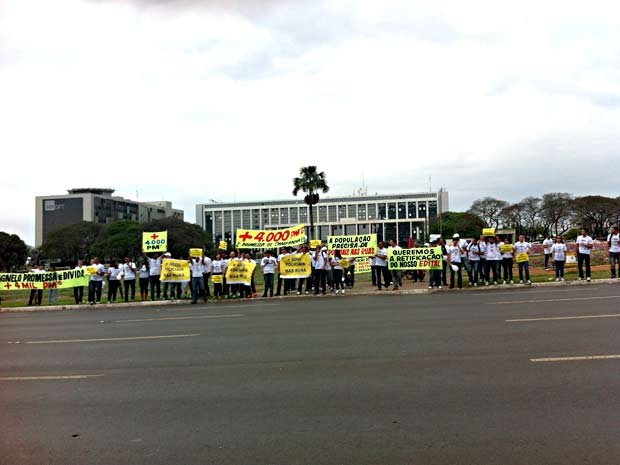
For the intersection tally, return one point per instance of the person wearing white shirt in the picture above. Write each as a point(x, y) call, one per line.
point(396, 274)
point(547, 245)
point(129, 278)
point(454, 257)
point(207, 269)
point(78, 291)
point(492, 258)
point(283, 252)
point(464, 262)
point(154, 274)
point(96, 282)
point(522, 249)
point(114, 281)
point(268, 264)
point(559, 258)
point(584, 244)
point(382, 266)
point(320, 271)
point(482, 244)
point(613, 240)
point(338, 270)
point(198, 284)
point(473, 255)
point(310, 279)
point(217, 268)
point(144, 281)
point(507, 250)
point(373, 270)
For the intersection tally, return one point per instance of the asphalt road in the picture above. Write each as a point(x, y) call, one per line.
point(432, 379)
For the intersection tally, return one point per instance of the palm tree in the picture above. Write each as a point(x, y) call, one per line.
point(311, 182)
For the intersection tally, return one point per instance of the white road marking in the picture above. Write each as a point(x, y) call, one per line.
point(47, 378)
point(553, 300)
point(180, 318)
point(573, 359)
point(112, 339)
point(579, 317)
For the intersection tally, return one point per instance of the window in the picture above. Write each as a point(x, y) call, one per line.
point(236, 219)
point(303, 215)
point(362, 229)
point(284, 215)
point(219, 222)
point(332, 213)
point(372, 211)
point(411, 210)
point(377, 228)
point(274, 216)
point(245, 219)
point(404, 231)
point(432, 208)
point(322, 213)
point(342, 211)
point(209, 222)
point(390, 231)
point(323, 232)
point(381, 215)
point(337, 230)
point(361, 212)
point(351, 211)
point(255, 219)
point(294, 212)
point(421, 209)
point(391, 211)
point(350, 230)
point(402, 210)
point(227, 222)
point(265, 214)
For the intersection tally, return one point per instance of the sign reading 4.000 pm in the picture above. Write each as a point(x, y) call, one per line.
point(421, 258)
point(258, 239)
point(155, 241)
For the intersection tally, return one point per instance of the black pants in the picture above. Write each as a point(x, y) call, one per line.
point(130, 284)
point(78, 294)
point(36, 296)
point(382, 271)
point(459, 274)
point(112, 289)
point(320, 277)
point(507, 266)
point(144, 287)
point(338, 279)
point(491, 266)
point(352, 271)
point(155, 286)
point(218, 288)
point(268, 277)
point(94, 291)
point(205, 277)
point(581, 259)
point(307, 281)
point(279, 285)
point(373, 274)
point(444, 272)
point(547, 258)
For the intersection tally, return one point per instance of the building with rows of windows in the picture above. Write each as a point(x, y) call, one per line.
point(392, 216)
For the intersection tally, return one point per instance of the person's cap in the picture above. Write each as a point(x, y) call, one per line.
point(324, 249)
point(167, 254)
point(456, 236)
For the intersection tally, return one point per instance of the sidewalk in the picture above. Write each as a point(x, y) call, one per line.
point(364, 289)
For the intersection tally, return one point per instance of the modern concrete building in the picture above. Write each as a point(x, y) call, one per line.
point(390, 216)
point(94, 204)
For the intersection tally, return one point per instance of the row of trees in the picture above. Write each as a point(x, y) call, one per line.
point(554, 213)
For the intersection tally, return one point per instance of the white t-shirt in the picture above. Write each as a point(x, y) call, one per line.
point(508, 254)
point(373, 261)
point(99, 275)
point(269, 265)
point(560, 251)
point(127, 269)
point(216, 266)
point(380, 261)
point(547, 244)
point(463, 246)
point(483, 248)
point(195, 267)
point(155, 266)
point(336, 263)
point(114, 273)
point(144, 272)
point(207, 265)
point(582, 242)
point(492, 252)
point(473, 252)
point(319, 260)
point(615, 242)
point(454, 252)
point(522, 247)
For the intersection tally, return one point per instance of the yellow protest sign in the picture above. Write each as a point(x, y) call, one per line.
point(314, 243)
point(91, 270)
point(155, 241)
point(49, 280)
point(362, 265)
point(295, 266)
point(506, 248)
point(522, 257)
point(488, 232)
point(240, 272)
point(363, 245)
point(174, 271)
point(344, 263)
point(217, 278)
point(195, 253)
point(258, 239)
point(223, 245)
point(420, 258)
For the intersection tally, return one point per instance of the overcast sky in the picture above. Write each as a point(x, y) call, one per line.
point(195, 100)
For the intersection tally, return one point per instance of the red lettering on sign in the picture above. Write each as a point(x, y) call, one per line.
point(245, 236)
point(8, 285)
point(154, 236)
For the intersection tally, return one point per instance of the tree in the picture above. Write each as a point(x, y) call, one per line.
point(119, 239)
point(513, 216)
point(531, 209)
point(595, 213)
point(13, 252)
point(311, 182)
point(466, 224)
point(182, 236)
point(73, 242)
point(489, 210)
point(556, 212)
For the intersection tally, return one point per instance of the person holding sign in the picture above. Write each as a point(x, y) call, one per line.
point(96, 282)
point(507, 251)
point(78, 291)
point(523, 260)
point(207, 269)
point(129, 278)
point(114, 281)
point(396, 274)
point(585, 244)
point(198, 285)
point(154, 274)
point(338, 270)
point(381, 266)
point(320, 274)
point(454, 254)
point(473, 255)
point(547, 245)
point(559, 258)
point(144, 281)
point(36, 295)
point(268, 265)
point(217, 276)
point(492, 257)
point(309, 280)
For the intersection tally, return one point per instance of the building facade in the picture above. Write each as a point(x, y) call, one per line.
point(96, 205)
point(393, 216)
